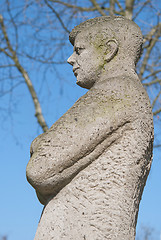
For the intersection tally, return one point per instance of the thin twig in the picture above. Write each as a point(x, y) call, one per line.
point(158, 145)
point(152, 82)
point(149, 49)
point(58, 16)
point(13, 22)
point(97, 6)
point(156, 98)
point(13, 56)
point(119, 5)
point(46, 61)
point(83, 9)
point(11, 89)
point(141, 9)
point(152, 74)
point(157, 111)
point(6, 66)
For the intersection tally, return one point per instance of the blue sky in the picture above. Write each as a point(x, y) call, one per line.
point(19, 208)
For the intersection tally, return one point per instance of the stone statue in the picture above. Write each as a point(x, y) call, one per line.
point(90, 168)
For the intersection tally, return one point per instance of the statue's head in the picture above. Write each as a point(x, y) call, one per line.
point(100, 41)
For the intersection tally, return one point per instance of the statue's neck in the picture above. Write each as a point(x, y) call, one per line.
point(117, 72)
point(114, 70)
point(111, 79)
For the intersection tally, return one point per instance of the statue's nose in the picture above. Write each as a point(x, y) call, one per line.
point(71, 60)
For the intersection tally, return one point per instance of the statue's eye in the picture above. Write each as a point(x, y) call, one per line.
point(78, 50)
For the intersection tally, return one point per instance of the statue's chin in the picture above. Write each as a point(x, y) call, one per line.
point(84, 84)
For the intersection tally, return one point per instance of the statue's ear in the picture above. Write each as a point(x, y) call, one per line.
point(112, 48)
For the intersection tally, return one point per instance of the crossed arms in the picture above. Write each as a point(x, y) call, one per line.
point(78, 138)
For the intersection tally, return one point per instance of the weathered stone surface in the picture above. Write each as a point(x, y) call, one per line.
point(89, 169)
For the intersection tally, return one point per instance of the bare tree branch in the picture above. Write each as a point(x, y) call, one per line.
point(148, 37)
point(97, 6)
point(82, 9)
point(152, 74)
point(13, 56)
point(152, 43)
point(119, 5)
point(8, 65)
point(44, 61)
point(4, 238)
point(129, 8)
point(156, 98)
point(157, 111)
point(5, 52)
point(141, 9)
point(10, 90)
point(13, 22)
point(158, 145)
point(152, 82)
point(112, 7)
point(58, 16)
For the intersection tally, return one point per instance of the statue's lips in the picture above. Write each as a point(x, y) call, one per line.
point(75, 71)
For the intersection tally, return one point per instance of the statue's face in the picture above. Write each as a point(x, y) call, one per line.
point(86, 62)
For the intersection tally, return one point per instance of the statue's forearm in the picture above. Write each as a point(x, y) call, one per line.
point(53, 169)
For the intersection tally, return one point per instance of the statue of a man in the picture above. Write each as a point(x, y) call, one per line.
point(89, 169)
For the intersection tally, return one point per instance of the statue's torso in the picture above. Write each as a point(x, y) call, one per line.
point(96, 155)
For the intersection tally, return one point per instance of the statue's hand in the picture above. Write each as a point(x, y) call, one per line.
point(43, 200)
point(35, 144)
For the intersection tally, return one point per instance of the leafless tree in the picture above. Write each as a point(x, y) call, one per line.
point(36, 32)
point(4, 238)
point(34, 40)
point(146, 233)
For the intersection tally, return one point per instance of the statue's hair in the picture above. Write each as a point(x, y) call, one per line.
point(125, 31)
